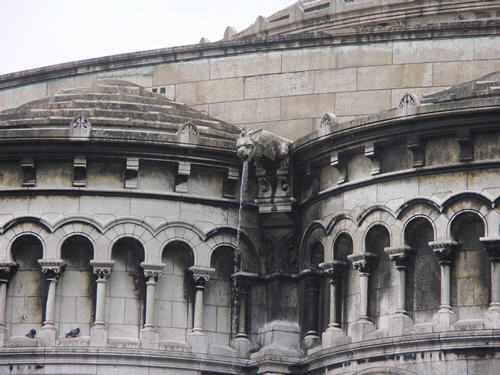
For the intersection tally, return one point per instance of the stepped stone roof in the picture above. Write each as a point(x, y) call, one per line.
point(116, 108)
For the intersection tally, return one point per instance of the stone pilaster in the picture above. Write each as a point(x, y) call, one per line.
point(102, 272)
point(492, 315)
point(6, 268)
point(444, 251)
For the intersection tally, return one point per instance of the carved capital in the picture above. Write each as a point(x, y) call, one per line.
point(399, 255)
point(334, 270)
point(6, 268)
point(101, 269)
point(52, 268)
point(152, 271)
point(492, 247)
point(363, 263)
point(201, 275)
point(444, 251)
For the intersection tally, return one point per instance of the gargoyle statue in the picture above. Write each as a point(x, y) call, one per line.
point(254, 144)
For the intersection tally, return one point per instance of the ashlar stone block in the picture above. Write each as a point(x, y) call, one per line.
point(181, 72)
point(433, 50)
point(245, 65)
point(221, 90)
point(278, 85)
point(394, 76)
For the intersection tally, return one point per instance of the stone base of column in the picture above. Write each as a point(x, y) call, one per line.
point(242, 345)
point(150, 339)
point(280, 338)
point(198, 341)
point(99, 335)
point(361, 328)
point(2, 334)
point(311, 340)
point(334, 336)
point(47, 335)
point(399, 323)
point(492, 316)
point(444, 318)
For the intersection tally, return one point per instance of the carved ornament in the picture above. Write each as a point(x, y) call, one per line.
point(364, 262)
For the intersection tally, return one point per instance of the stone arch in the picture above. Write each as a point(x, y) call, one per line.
point(423, 271)
point(338, 225)
point(26, 294)
point(382, 279)
point(418, 206)
point(19, 227)
point(314, 234)
point(377, 216)
point(119, 230)
point(479, 214)
point(227, 236)
point(174, 307)
point(182, 232)
point(470, 268)
point(410, 219)
point(76, 286)
point(480, 199)
point(125, 301)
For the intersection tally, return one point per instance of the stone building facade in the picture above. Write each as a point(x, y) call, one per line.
point(366, 239)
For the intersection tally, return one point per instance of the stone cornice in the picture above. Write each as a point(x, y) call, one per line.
point(458, 29)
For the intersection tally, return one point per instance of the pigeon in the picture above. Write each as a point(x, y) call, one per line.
point(31, 334)
point(73, 333)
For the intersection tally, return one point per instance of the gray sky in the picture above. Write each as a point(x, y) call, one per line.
point(35, 33)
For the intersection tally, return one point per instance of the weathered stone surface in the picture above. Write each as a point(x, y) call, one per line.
point(191, 71)
point(276, 85)
point(245, 65)
point(221, 90)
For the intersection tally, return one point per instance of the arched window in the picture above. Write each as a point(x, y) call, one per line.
point(382, 282)
point(125, 299)
point(423, 293)
point(174, 302)
point(470, 274)
point(27, 291)
point(76, 287)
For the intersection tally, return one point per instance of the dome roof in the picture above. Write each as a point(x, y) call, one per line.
point(118, 109)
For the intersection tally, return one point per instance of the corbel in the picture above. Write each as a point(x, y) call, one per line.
point(132, 173)
point(231, 179)
point(417, 147)
point(29, 172)
point(372, 152)
point(466, 143)
point(337, 161)
point(183, 173)
point(80, 171)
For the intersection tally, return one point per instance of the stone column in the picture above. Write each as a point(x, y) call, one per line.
point(244, 291)
point(52, 268)
point(444, 252)
point(335, 272)
point(363, 263)
point(151, 274)
point(492, 315)
point(150, 339)
point(6, 269)
point(399, 255)
point(102, 272)
point(198, 338)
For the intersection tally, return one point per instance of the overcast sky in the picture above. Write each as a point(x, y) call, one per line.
point(35, 33)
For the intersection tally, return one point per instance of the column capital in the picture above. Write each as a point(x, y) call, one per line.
point(334, 270)
point(102, 268)
point(201, 275)
point(492, 247)
point(6, 268)
point(152, 271)
point(52, 268)
point(444, 250)
point(362, 262)
point(399, 255)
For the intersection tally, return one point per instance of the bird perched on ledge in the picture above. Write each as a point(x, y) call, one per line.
point(73, 333)
point(32, 333)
